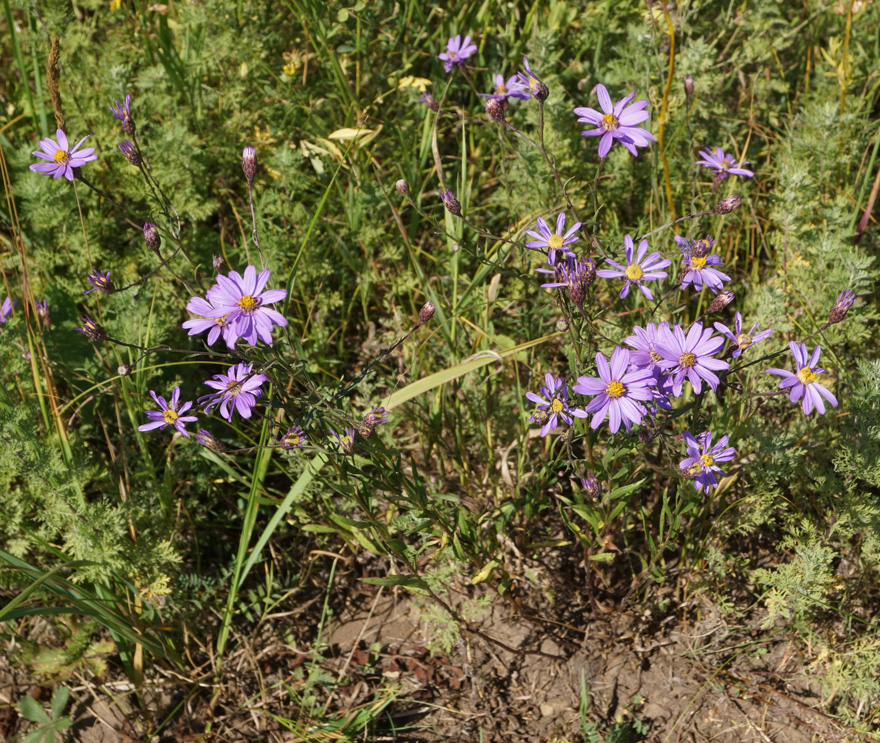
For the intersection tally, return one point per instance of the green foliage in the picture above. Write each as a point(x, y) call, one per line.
point(51, 722)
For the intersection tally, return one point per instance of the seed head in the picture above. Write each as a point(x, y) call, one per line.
point(131, 154)
point(123, 370)
point(561, 325)
point(450, 202)
point(151, 237)
point(495, 109)
point(402, 187)
point(727, 204)
point(92, 330)
point(841, 306)
point(249, 164)
point(426, 313)
point(688, 85)
point(720, 302)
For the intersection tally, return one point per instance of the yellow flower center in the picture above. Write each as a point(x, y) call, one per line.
point(170, 416)
point(633, 273)
point(687, 360)
point(289, 69)
point(293, 439)
point(233, 388)
point(695, 469)
point(725, 164)
point(534, 84)
point(221, 321)
point(610, 123)
point(248, 303)
point(554, 242)
point(453, 56)
point(61, 157)
point(557, 405)
point(743, 340)
point(655, 357)
point(698, 263)
point(707, 460)
point(500, 89)
point(615, 389)
point(807, 375)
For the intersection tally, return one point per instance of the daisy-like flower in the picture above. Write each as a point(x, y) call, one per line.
point(700, 465)
point(535, 86)
point(553, 407)
point(722, 164)
point(644, 341)
point(619, 393)
point(575, 274)
point(130, 152)
point(244, 300)
point(100, 280)
point(92, 330)
point(690, 356)
point(697, 265)
point(513, 88)
point(122, 112)
point(216, 325)
point(169, 414)
point(742, 340)
point(457, 51)
point(554, 243)
point(844, 301)
point(295, 438)
point(6, 309)
point(803, 384)
point(63, 159)
point(638, 268)
point(371, 421)
point(239, 387)
point(617, 122)
point(345, 440)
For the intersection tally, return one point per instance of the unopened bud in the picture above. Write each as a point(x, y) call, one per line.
point(841, 306)
point(123, 370)
point(249, 164)
point(131, 154)
point(151, 237)
point(217, 263)
point(426, 313)
point(495, 109)
point(206, 438)
point(450, 202)
point(42, 308)
point(430, 102)
point(727, 204)
point(591, 484)
point(92, 330)
point(720, 302)
point(688, 85)
point(402, 187)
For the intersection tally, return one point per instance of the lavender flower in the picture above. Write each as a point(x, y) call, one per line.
point(295, 438)
point(244, 300)
point(457, 51)
point(216, 325)
point(100, 280)
point(130, 152)
point(122, 112)
point(645, 341)
point(617, 122)
point(700, 465)
point(169, 414)
point(554, 405)
point(576, 274)
point(371, 421)
point(637, 270)
point(513, 88)
point(691, 356)
point(450, 202)
point(554, 243)
point(91, 329)
point(844, 301)
point(6, 309)
point(217, 263)
point(618, 391)
point(42, 308)
point(722, 164)
point(697, 265)
point(591, 485)
point(345, 440)
point(430, 102)
point(62, 158)
point(803, 384)
point(742, 340)
point(239, 387)
point(207, 439)
point(536, 87)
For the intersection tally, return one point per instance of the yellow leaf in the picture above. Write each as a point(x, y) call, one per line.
point(414, 82)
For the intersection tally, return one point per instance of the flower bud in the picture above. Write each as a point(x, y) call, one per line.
point(430, 102)
point(217, 263)
point(591, 485)
point(688, 85)
point(841, 306)
point(402, 187)
point(206, 438)
point(727, 204)
point(495, 109)
point(540, 92)
point(100, 280)
point(92, 330)
point(123, 370)
point(131, 154)
point(249, 164)
point(450, 202)
point(720, 302)
point(151, 237)
point(42, 309)
point(426, 313)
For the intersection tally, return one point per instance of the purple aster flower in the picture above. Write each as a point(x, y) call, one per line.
point(554, 405)
point(450, 202)
point(216, 325)
point(554, 243)
point(169, 414)
point(617, 122)
point(803, 384)
point(577, 274)
point(742, 340)
point(691, 356)
point(844, 301)
point(457, 51)
point(239, 387)
point(430, 102)
point(42, 308)
point(513, 88)
point(92, 330)
point(619, 392)
point(371, 421)
point(644, 341)
point(700, 465)
point(345, 440)
point(207, 439)
point(62, 159)
point(244, 300)
point(130, 152)
point(122, 112)
point(100, 280)
point(535, 86)
point(722, 164)
point(6, 309)
point(295, 438)
point(697, 265)
point(638, 269)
